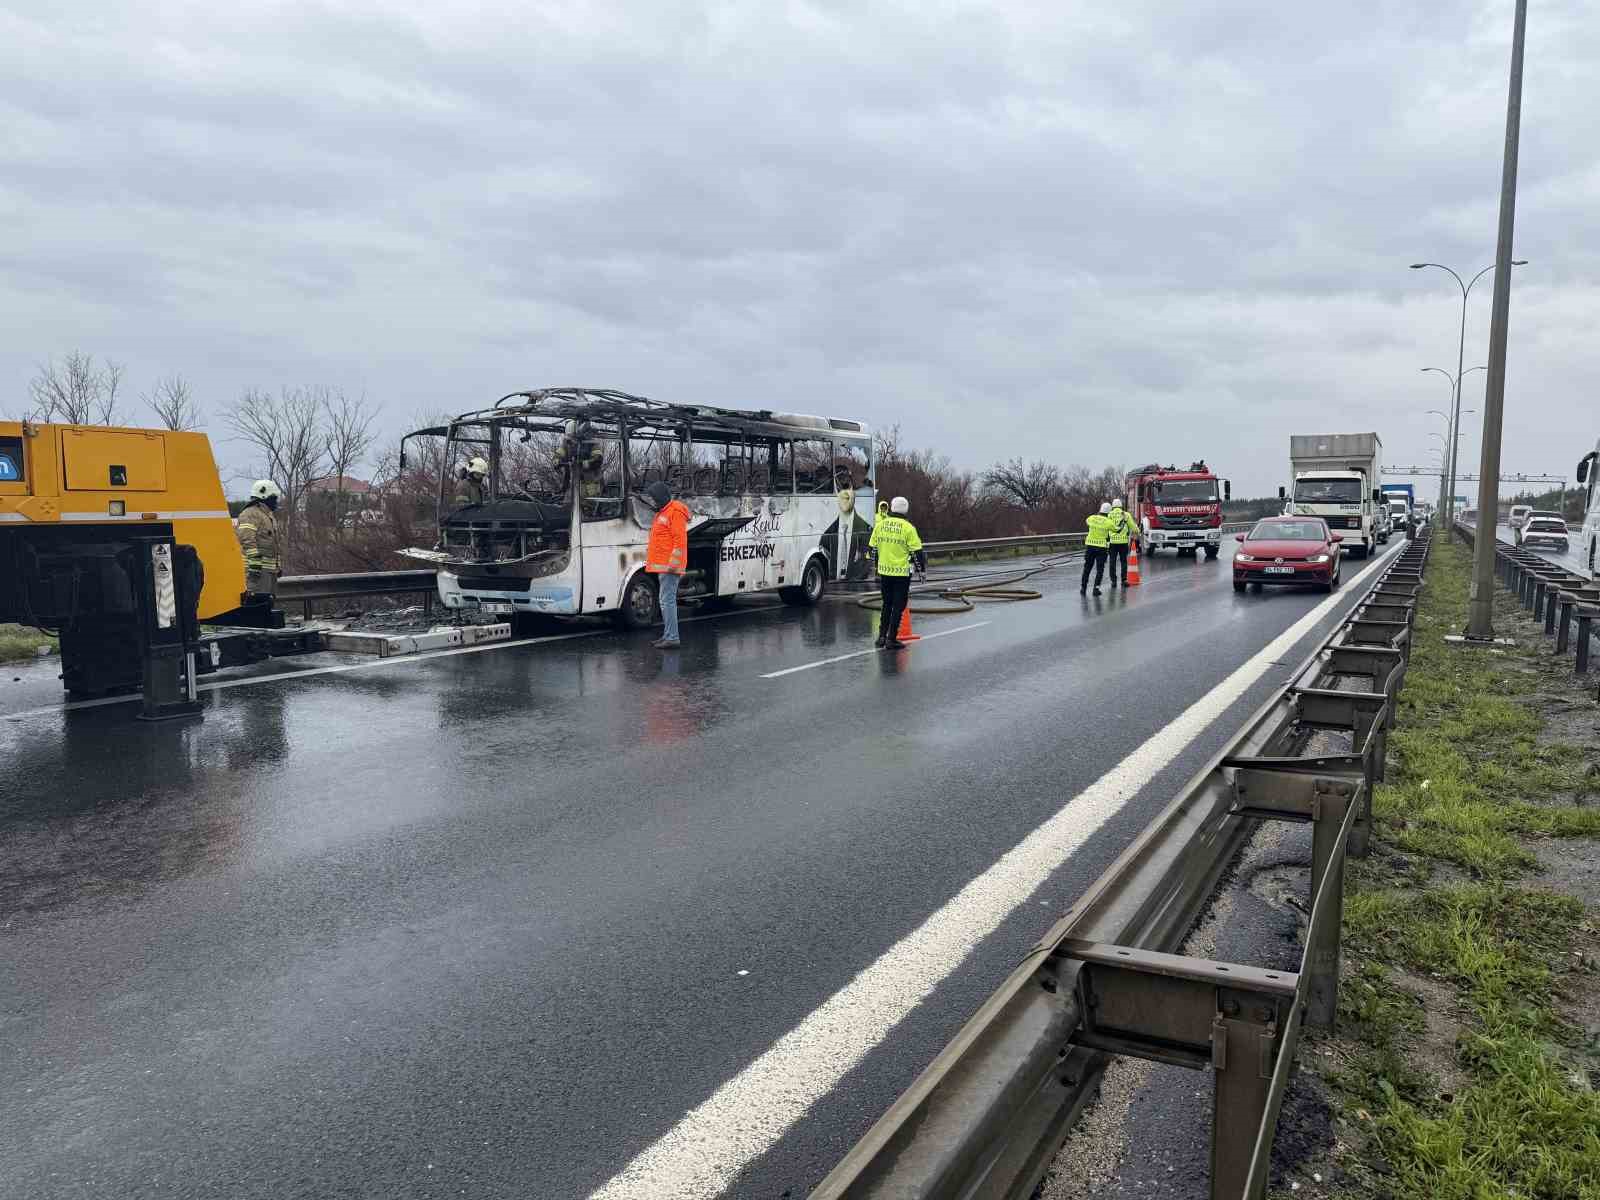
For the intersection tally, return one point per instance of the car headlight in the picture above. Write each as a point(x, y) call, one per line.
point(1244, 558)
point(1318, 558)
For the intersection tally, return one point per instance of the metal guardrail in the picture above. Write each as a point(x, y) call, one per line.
point(1555, 595)
point(306, 589)
point(984, 1120)
point(976, 546)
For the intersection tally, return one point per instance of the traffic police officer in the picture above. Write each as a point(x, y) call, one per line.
point(897, 546)
point(1123, 529)
point(1095, 545)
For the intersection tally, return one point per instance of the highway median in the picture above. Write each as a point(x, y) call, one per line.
point(1466, 1061)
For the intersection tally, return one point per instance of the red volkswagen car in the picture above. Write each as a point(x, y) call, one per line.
point(1287, 550)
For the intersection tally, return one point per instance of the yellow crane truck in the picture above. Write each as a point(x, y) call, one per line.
point(120, 542)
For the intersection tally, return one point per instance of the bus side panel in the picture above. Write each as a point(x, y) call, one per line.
point(808, 518)
point(610, 552)
point(744, 559)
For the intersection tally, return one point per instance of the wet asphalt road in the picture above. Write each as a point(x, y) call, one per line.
point(475, 925)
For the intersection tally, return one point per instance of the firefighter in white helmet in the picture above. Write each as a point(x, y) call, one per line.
point(257, 530)
point(473, 485)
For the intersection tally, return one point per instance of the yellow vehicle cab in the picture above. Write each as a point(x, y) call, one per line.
point(73, 499)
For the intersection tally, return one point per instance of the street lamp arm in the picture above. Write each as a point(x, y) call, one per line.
point(1442, 267)
point(1515, 262)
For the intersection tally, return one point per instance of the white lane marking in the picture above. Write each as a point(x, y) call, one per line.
point(747, 1115)
point(927, 637)
point(341, 668)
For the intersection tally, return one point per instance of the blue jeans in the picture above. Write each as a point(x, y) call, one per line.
point(668, 585)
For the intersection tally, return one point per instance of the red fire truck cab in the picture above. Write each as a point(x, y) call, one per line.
point(1180, 509)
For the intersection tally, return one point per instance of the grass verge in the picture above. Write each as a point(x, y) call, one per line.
point(1463, 1065)
point(20, 642)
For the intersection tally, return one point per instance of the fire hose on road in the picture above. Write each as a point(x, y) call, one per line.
point(957, 597)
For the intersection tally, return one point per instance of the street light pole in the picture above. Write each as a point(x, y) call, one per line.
point(1480, 615)
point(1455, 391)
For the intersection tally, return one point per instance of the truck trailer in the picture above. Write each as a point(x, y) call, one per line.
point(1401, 500)
point(1336, 478)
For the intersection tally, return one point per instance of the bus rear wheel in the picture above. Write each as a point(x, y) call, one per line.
point(809, 592)
point(639, 608)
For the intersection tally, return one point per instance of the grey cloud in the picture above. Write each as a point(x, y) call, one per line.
point(1103, 235)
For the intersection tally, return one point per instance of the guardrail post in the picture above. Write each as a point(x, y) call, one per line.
point(1244, 1053)
point(1563, 624)
point(1550, 611)
point(1583, 641)
point(1322, 956)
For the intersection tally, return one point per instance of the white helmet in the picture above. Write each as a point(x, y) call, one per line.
point(1116, 502)
point(265, 489)
point(1105, 508)
point(477, 465)
point(899, 506)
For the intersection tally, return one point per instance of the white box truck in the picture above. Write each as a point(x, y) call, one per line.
point(1336, 478)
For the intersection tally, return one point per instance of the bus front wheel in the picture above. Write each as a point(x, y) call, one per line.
point(809, 592)
point(638, 609)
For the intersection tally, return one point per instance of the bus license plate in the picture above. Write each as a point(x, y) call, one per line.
point(1280, 570)
point(495, 606)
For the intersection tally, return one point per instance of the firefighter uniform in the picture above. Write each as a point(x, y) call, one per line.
point(258, 538)
point(1096, 543)
point(1123, 529)
point(470, 491)
point(896, 543)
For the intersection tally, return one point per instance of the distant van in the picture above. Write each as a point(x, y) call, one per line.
point(1519, 514)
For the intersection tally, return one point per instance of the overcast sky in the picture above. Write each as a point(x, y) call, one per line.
point(1098, 233)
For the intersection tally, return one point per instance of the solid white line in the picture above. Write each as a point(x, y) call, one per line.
point(927, 637)
point(749, 1113)
point(341, 668)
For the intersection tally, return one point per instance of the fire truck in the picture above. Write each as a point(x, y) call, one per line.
point(1178, 508)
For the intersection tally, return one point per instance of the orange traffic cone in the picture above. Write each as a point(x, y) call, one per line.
point(905, 634)
point(1134, 578)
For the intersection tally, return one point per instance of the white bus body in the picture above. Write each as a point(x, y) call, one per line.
point(777, 502)
point(1589, 479)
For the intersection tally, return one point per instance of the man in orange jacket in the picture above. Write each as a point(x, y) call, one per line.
point(668, 556)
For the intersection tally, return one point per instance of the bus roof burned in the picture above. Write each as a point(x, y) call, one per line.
point(561, 404)
point(522, 479)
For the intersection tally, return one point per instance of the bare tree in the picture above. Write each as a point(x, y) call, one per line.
point(76, 391)
point(110, 382)
point(1032, 485)
point(173, 403)
point(288, 433)
point(349, 437)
